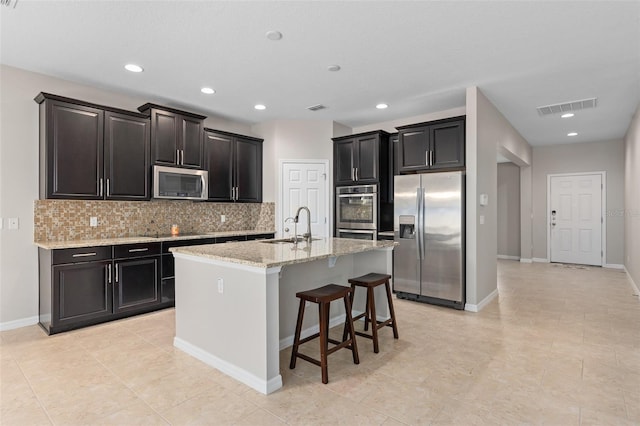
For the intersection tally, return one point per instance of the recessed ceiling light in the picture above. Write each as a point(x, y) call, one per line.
point(333, 68)
point(274, 35)
point(572, 134)
point(382, 106)
point(260, 107)
point(207, 91)
point(567, 115)
point(133, 68)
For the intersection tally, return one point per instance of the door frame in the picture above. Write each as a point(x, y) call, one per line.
point(328, 204)
point(603, 237)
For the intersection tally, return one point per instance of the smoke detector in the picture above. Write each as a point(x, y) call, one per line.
point(567, 106)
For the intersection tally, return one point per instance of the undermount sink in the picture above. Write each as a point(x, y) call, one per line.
point(287, 240)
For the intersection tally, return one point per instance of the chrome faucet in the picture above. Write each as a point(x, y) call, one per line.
point(307, 235)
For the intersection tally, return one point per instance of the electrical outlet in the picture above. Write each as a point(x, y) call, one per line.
point(223, 218)
point(481, 219)
point(220, 286)
point(13, 223)
point(93, 221)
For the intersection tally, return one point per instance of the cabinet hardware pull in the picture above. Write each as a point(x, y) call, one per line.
point(426, 158)
point(138, 249)
point(431, 158)
point(84, 254)
point(116, 270)
point(108, 190)
point(178, 157)
point(101, 187)
point(356, 174)
point(182, 157)
point(109, 273)
point(353, 176)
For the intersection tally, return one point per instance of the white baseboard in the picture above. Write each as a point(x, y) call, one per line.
point(24, 322)
point(634, 286)
point(540, 260)
point(505, 257)
point(337, 320)
point(249, 379)
point(477, 308)
point(523, 260)
point(613, 266)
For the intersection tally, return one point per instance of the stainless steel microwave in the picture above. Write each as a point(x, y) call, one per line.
point(175, 183)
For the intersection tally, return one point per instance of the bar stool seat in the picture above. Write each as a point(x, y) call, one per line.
point(323, 296)
point(371, 281)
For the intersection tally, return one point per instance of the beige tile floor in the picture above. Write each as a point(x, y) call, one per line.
point(561, 346)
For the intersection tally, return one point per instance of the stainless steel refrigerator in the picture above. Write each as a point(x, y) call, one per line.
point(428, 224)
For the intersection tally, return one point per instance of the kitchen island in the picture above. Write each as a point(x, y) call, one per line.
point(236, 306)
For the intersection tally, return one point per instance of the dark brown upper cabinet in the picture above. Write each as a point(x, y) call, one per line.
point(176, 136)
point(436, 145)
point(234, 163)
point(361, 159)
point(126, 159)
point(393, 164)
point(88, 151)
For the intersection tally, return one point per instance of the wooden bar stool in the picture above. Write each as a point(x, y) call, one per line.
point(323, 296)
point(371, 281)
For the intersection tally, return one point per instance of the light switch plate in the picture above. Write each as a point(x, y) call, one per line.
point(481, 219)
point(220, 286)
point(93, 221)
point(223, 218)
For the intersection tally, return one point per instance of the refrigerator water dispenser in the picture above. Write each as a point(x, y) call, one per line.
point(407, 227)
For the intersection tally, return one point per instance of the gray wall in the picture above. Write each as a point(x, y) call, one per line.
point(632, 199)
point(19, 178)
point(580, 158)
point(508, 210)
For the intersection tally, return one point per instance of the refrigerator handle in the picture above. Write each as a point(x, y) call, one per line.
point(418, 227)
point(421, 224)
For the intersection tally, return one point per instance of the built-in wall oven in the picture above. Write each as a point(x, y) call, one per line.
point(358, 234)
point(357, 211)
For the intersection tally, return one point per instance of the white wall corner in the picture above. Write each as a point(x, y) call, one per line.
point(480, 306)
point(613, 266)
point(523, 260)
point(634, 286)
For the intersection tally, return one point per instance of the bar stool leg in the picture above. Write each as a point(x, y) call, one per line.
point(391, 311)
point(352, 332)
point(296, 337)
point(373, 318)
point(366, 310)
point(324, 347)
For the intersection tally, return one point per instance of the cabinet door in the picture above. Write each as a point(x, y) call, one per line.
point(137, 284)
point(393, 165)
point(218, 161)
point(126, 157)
point(81, 294)
point(248, 170)
point(74, 151)
point(344, 162)
point(367, 159)
point(191, 142)
point(164, 137)
point(414, 149)
point(447, 144)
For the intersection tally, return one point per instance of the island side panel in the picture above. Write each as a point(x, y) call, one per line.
point(234, 330)
point(381, 262)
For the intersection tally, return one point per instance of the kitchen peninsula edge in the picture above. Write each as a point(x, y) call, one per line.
point(236, 306)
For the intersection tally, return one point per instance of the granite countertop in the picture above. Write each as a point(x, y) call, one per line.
point(266, 255)
point(53, 245)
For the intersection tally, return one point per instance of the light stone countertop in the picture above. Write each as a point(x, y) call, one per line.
point(266, 255)
point(54, 245)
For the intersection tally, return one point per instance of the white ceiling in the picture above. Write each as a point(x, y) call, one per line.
point(418, 57)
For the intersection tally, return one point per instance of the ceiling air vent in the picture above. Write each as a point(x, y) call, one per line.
point(567, 106)
point(317, 107)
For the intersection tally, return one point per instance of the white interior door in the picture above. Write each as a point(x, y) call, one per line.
point(304, 184)
point(575, 219)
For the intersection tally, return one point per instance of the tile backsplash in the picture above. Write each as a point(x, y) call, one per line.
point(63, 220)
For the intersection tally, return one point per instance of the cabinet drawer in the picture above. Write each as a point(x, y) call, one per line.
point(136, 250)
point(84, 254)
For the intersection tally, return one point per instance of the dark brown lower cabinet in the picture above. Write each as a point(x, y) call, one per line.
point(137, 284)
point(82, 293)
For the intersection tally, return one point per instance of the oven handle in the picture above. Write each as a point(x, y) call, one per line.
point(357, 195)
point(357, 231)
